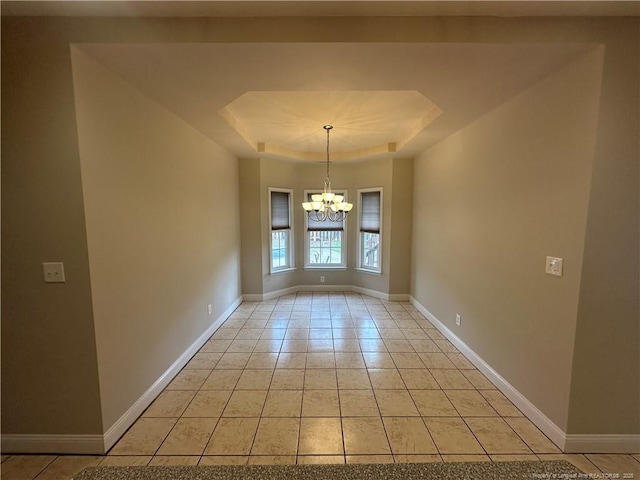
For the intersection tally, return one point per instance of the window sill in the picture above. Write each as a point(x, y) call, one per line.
point(370, 272)
point(282, 270)
point(325, 267)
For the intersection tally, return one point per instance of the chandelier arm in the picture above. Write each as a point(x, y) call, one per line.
point(318, 216)
point(336, 216)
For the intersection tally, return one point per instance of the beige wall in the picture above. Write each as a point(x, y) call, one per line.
point(251, 225)
point(401, 227)
point(605, 386)
point(491, 202)
point(390, 174)
point(49, 358)
point(161, 208)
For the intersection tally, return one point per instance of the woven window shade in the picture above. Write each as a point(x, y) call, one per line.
point(280, 211)
point(370, 212)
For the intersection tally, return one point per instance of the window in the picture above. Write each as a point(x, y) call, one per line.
point(370, 226)
point(281, 237)
point(325, 242)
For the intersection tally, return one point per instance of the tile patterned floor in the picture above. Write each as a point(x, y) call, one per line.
point(325, 378)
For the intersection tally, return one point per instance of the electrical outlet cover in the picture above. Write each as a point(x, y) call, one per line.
point(554, 266)
point(53, 272)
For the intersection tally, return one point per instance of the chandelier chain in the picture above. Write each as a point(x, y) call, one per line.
point(328, 129)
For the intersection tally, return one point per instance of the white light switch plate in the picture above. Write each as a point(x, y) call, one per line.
point(554, 266)
point(53, 272)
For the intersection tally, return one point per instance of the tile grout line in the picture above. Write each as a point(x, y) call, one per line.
point(260, 415)
point(227, 401)
point(422, 418)
point(344, 446)
point(453, 405)
point(520, 436)
point(46, 466)
point(384, 429)
point(413, 400)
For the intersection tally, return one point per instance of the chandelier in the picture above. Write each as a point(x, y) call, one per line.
point(327, 205)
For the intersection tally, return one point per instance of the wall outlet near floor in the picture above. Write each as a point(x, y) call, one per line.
point(209, 309)
point(321, 279)
point(458, 319)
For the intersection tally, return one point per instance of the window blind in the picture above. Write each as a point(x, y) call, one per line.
point(280, 211)
point(326, 226)
point(370, 212)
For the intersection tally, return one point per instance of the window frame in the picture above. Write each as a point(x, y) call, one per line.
point(360, 263)
point(307, 244)
point(291, 243)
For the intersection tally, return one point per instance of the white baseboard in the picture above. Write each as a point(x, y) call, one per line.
point(54, 444)
point(252, 297)
point(568, 443)
point(118, 429)
point(602, 443)
point(259, 297)
point(394, 297)
point(100, 444)
point(279, 293)
point(399, 297)
point(322, 288)
point(550, 429)
point(369, 292)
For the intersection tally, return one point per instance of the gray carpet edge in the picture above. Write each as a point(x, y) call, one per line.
point(534, 470)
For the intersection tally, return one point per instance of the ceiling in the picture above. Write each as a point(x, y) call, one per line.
point(383, 99)
point(367, 123)
point(272, 99)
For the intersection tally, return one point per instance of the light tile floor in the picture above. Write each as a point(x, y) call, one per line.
point(325, 378)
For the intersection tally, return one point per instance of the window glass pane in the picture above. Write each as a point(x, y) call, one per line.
point(325, 247)
point(370, 250)
point(280, 249)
